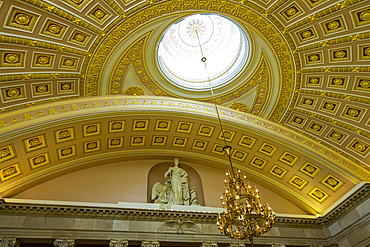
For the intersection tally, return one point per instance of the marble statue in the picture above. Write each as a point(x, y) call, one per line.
point(175, 191)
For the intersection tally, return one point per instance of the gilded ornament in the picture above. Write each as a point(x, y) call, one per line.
point(314, 80)
point(333, 25)
point(338, 81)
point(12, 58)
point(353, 112)
point(79, 37)
point(99, 14)
point(134, 91)
point(22, 19)
point(42, 59)
point(340, 54)
point(13, 92)
point(239, 106)
point(365, 83)
point(291, 11)
point(53, 28)
point(365, 15)
point(314, 58)
point(367, 51)
point(306, 34)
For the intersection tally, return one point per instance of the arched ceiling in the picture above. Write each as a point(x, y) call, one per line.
point(298, 115)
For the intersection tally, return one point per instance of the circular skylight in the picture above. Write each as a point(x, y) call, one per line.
point(221, 41)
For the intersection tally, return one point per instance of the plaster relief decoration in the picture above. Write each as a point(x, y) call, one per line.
point(64, 243)
point(175, 191)
point(8, 242)
point(179, 226)
point(118, 243)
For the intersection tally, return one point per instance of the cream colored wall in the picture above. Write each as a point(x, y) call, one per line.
point(126, 181)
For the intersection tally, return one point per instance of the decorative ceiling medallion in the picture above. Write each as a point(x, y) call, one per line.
point(200, 145)
point(12, 58)
point(159, 140)
point(318, 194)
point(184, 127)
point(140, 125)
point(179, 142)
point(314, 81)
point(9, 172)
point(292, 11)
point(308, 102)
point(361, 17)
point(332, 182)
point(314, 58)
point(79, 37)
point(227, 134)
point(7, 152)
point(91, 146)
point(267, 149)
point(64, 135)
point(42, 60)
point(338, 81)
point(117, 126)
point(41, 89)
point(339, 55)
point(288, 158)
point(314, 3)
point(298, 120)
point(68, 62)
point(333, 26)
point(137, 141)
point(239, 155)
point(91, 129)
point(54, 29)
point(77, 4)
point(66, 87)
point(364, 52)
point(239, 106)
point(115, 142)
point(307, 34)
point(316, 127)
point(13, 93)
point(39, 160)
point(336, 136)
point(21, 19)
point(34, 143)
point(247, 141)
point(134, 91)
point(99, 14)
point(362, 84)
point(205, 130)
point(353, 112)
point(218, 149)
point(258, 162)
point(309, 169)
point(66, 152)
point(225, 45)
point(329, 106)
point(298, 182)
point(278, 171)
point(163, 125)
point(359, 147)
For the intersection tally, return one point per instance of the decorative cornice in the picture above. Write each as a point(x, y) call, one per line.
point(12, 208)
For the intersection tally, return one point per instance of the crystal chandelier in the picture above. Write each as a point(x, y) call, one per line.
point(244, 216)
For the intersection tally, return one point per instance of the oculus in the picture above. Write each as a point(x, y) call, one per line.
point(225, 45)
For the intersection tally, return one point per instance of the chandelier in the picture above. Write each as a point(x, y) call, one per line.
point(244, 216)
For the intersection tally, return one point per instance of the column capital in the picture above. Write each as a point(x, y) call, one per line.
point(237, 245)
point(118, 243)
point(209, 244)
point(8, 242)
point(150, 244)
point(64, 243)
point(278, 245)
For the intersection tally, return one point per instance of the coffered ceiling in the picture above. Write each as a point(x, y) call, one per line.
point(79, 83)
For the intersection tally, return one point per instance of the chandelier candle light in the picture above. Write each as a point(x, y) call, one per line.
point(245, 217)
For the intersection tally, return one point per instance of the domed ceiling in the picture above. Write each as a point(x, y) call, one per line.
point(81, 86)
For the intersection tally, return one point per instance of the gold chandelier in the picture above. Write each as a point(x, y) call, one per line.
point(245, 217)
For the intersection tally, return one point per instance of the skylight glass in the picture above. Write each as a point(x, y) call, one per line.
point(223, 43)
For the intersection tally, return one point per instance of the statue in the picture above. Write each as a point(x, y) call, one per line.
point(175, 190)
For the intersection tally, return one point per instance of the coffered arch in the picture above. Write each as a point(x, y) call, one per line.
point(57, 58)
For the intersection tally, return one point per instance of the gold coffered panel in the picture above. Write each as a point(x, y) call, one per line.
point(21, 19)
point(54, 29)
point(9, 172)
